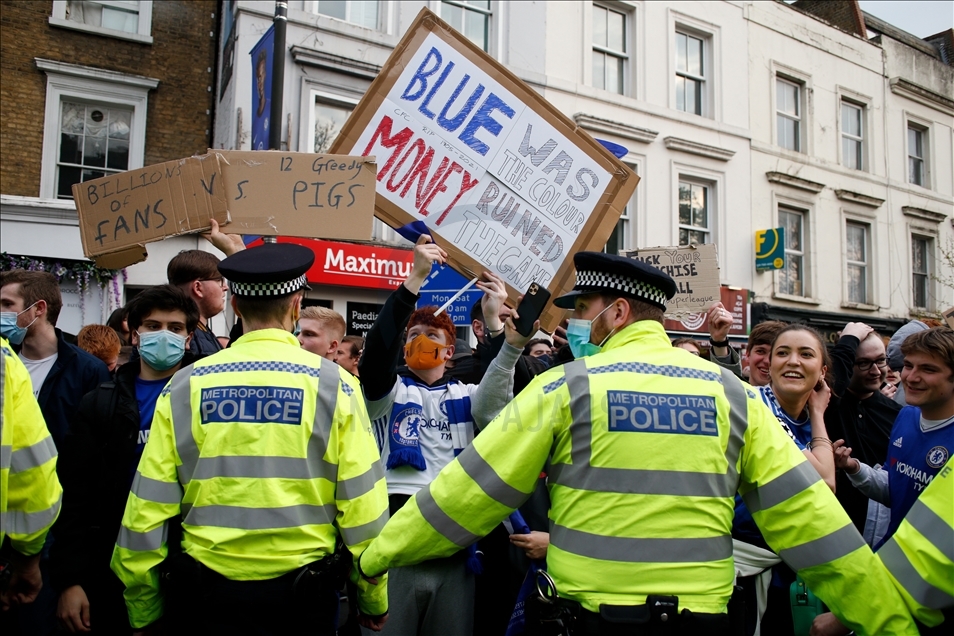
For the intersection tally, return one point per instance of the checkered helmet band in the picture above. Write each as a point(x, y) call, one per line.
point(268, 289)
point(607, 280)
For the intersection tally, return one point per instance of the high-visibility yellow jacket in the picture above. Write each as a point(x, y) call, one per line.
point(647, 446)
point(30, 493)
point(920, 555)
point(267, 452)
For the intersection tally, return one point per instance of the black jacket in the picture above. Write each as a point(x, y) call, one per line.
point(95, 463)
point(74, 374)
point(865, 425)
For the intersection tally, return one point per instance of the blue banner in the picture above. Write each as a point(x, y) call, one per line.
point(262, 54)
point(441, 284)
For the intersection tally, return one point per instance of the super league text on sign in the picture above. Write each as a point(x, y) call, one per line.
point(504, 180)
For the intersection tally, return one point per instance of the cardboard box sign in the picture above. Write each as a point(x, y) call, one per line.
point(120, 213)
point(503, 180)
point(695, 268)
point(299, 194)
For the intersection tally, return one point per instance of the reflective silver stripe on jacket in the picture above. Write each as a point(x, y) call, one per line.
point(245, 518)
point(581, 475)
point(826, 549)
point(640, 550)
point(194, 466)
point(21, 522)
point(143, 541)
point(910, 579)
point(32, 456)
point(441, 521)
point(489, 481)
point(932, 527)
point(785, 486)
point(6, 451)
point(365, 532)
point(156, 491)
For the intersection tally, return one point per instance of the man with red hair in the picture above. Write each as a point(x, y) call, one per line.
point(422, 420)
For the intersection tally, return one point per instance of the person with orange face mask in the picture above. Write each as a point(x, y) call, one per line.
point(422, 419)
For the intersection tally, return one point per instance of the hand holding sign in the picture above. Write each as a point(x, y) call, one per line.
point(426, 253)
point(495, 295)
point(720, 321)
point(228, 243)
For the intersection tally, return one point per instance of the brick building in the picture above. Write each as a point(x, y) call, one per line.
point(90, 88)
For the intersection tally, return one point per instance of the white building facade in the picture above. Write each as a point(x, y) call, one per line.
point(737, 116)
point(695, 91)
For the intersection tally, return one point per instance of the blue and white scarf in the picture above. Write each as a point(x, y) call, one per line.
point(415, 404)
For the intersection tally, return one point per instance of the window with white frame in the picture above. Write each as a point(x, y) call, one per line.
point(788, 113)
point(94, 125)
point(695, 222)
point(852, 135)
point(470, 17)
point(124, 19)
point(690, 73)
point(857, 264)
point(361, 12)
point(610, 52)
point(94, 142)
point(917, 155)
point(922, 249)
point(329, 119)
point(792, 279)
point(620, 239)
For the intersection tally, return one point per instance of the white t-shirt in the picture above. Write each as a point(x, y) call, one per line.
point(38, 369)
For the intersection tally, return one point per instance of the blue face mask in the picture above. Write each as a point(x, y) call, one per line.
point(161, 350)
point(9, 328)
point(578, 333)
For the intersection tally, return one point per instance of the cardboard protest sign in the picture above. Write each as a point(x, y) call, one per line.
point(122, 212)
point(502, 179)
point(695, 268)
point(949, 317)
point(299, 194)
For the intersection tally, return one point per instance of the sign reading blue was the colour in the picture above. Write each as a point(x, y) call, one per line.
point(770, 248)
point(503, 180)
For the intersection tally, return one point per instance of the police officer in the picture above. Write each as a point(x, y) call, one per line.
point(646, 446)
point(920, 555)
point(920, 558)
point(30, 493)
point(266, 452)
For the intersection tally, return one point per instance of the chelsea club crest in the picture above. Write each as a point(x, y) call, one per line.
point(937, 457)
point(405, 427)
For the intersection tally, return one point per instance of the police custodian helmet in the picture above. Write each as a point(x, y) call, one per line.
point(598, 273)
point(270, 270)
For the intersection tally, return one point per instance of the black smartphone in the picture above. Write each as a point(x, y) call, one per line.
point(532, 305)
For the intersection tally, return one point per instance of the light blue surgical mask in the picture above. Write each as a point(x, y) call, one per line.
point(9, 328)
point(161, 350)
point(578, 333)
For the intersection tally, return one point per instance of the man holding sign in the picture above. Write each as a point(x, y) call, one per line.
point(422, 420)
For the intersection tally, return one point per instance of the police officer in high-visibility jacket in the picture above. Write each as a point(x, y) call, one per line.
point(920, 555)
point(266, 452)
point(30, 493)
point(646, 447)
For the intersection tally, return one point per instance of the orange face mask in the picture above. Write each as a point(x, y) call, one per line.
point(423, 353)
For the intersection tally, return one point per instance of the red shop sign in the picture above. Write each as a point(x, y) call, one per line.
point(355, 265)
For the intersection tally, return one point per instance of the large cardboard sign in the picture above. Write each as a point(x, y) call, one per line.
point(695, 268)
point(299, 194)
point(503, 180)
point(122, 212)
